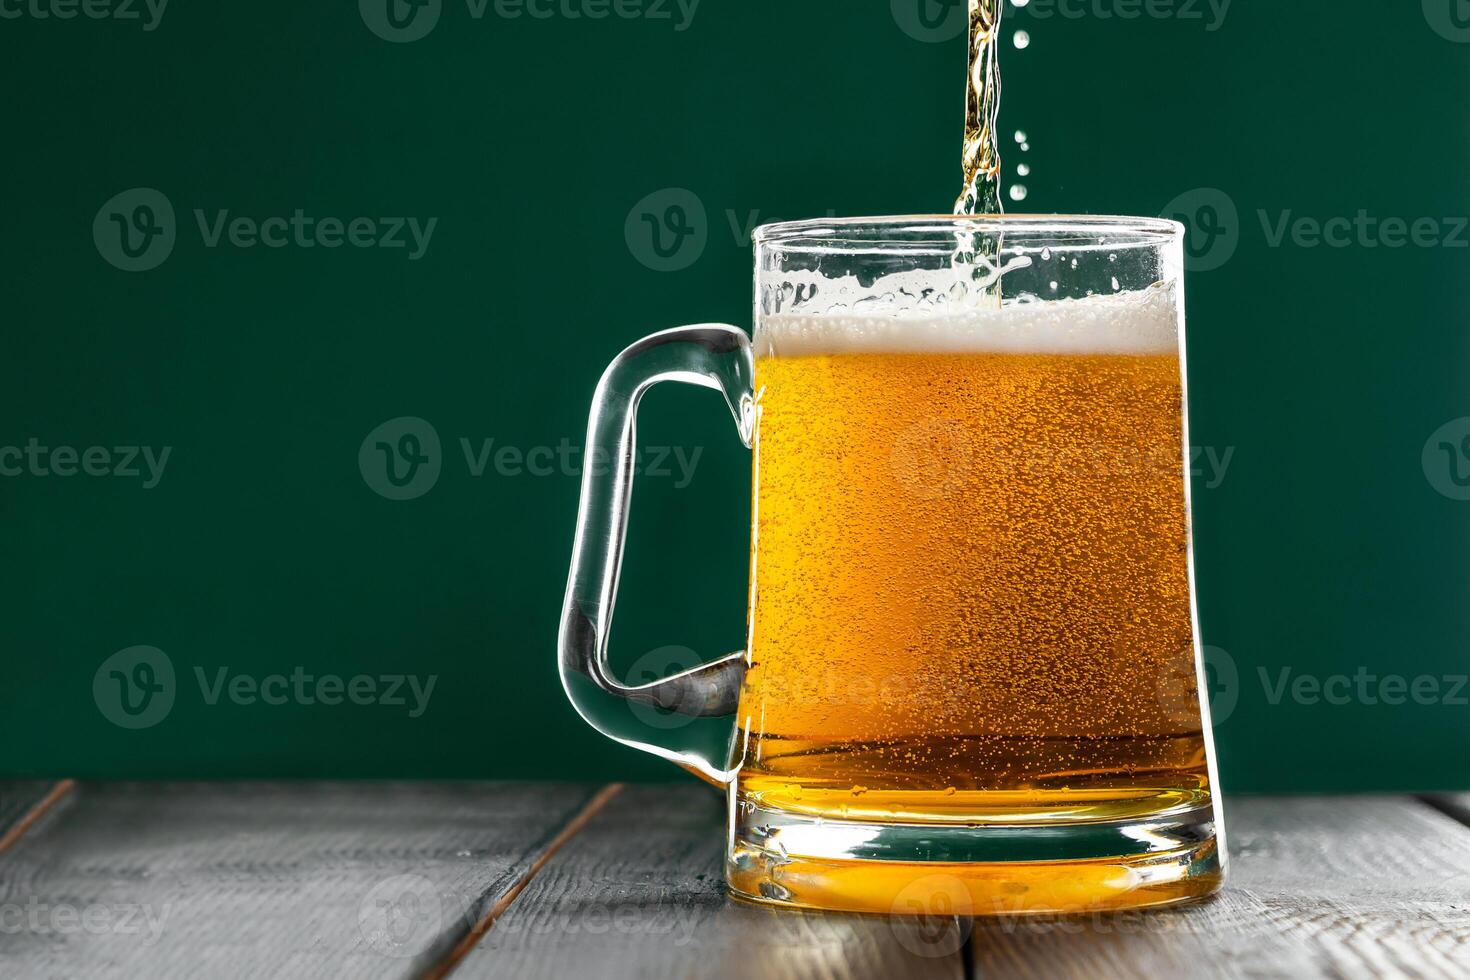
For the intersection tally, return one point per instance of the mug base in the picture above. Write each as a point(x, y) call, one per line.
point(800, 861)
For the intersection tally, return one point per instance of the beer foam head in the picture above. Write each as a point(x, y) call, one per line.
point(1139, 322)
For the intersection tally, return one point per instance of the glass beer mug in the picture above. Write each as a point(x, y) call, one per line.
point(972, 668)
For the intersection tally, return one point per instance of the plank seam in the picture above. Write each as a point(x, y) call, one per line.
point(36, 812)
point(471, 939)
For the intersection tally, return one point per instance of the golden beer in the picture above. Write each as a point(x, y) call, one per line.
point(970, 596)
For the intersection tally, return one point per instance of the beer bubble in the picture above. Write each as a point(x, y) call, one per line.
point(1116, 287)
point(1020, 136)
point(1046, 255)
point(1018, 192)
point(1025, 147)
point(1023, 169)
point(1022, 40)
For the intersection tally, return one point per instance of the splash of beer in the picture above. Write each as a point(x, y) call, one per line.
point(981, 158)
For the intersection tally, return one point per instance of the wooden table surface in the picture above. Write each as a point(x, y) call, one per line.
point(553, 880)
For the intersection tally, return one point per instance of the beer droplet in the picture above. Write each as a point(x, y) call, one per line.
point(1020, 136)
point(1019, 3)
point(1025, 147)
point(1022, 169)
point(859, 790)
point(1046, 255)
point(1018, 192)
point(1022, 40)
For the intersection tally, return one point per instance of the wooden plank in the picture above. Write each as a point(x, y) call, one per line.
point(640, 893)
point(267, 880)
point(23, 802)
point(1318, 887)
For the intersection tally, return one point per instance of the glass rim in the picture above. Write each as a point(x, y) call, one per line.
point(1121, 230)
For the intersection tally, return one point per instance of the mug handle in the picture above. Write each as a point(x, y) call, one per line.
point(710, 355)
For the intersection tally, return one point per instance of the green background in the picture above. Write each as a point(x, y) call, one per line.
point(263, 549)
